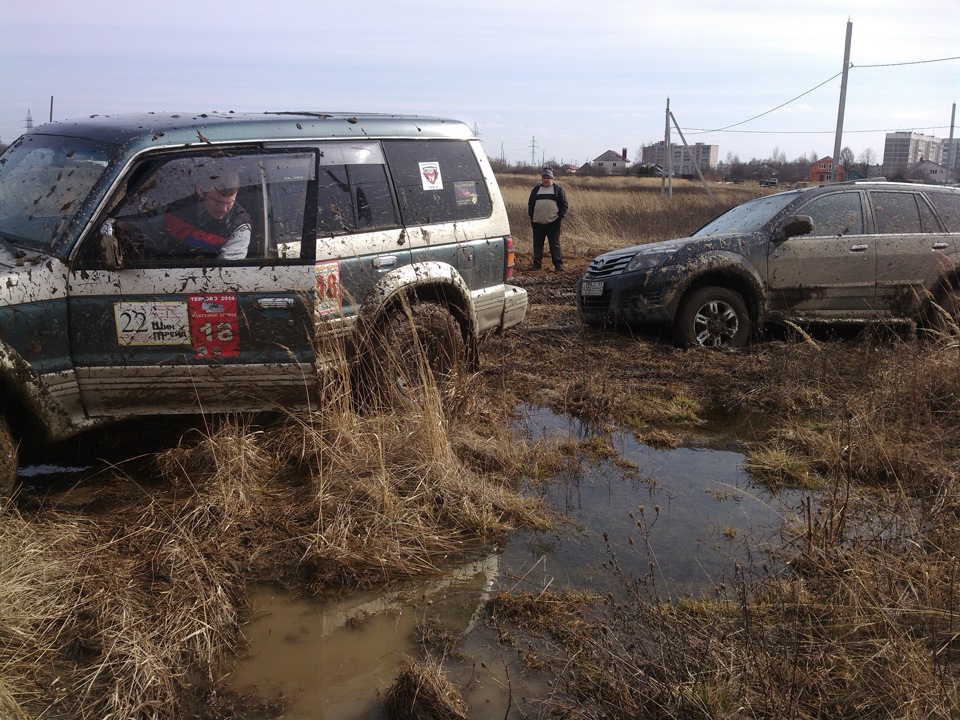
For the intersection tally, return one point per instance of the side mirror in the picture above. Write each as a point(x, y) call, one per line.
point(797, 225)
point(110, 254)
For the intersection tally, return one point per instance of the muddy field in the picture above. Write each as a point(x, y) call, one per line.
point(125, 586)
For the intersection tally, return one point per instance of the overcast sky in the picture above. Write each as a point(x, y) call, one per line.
point(579, 76)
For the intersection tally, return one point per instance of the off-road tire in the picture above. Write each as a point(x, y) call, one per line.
point(713, 317)
point(8, 459)
point(415, 347)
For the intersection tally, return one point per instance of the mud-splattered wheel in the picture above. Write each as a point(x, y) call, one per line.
point(8, 459)
point(416, 347)
point(712, 317)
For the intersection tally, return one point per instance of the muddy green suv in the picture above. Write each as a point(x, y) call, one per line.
point(184, 263)
point(846, 252)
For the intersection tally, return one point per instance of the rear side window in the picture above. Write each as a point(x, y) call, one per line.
point(437, 181)
point(836, 214)
point(354, 190)
point(948, 205)
point(901, 213)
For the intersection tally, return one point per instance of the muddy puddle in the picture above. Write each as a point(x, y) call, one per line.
point(700, 515)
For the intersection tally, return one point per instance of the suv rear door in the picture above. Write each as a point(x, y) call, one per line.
point(174, 330)
point(359, 235)
point(913, 250)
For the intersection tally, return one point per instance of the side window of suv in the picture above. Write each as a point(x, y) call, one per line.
point(948, 205)
point(354, 189)
point(437, 181)
point(202, 209)
point(902, 213)
point(835, 214)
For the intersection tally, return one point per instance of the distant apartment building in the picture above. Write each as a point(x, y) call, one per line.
point(705, 156)
point(902, 150)
point(611, 162)
point(951, 158)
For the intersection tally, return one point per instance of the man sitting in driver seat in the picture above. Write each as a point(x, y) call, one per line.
point(212, 222)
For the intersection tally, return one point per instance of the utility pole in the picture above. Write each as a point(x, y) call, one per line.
point(533, 150)
point(667, 156)
point(693, 160)
point(843, 100)
point(951, 159)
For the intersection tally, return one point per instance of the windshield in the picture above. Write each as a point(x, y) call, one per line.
point(749, 217)
point(44, 181)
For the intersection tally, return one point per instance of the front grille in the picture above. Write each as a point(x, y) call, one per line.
point(601, 268)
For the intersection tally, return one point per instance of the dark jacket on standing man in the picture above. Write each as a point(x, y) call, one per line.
point(560, 197)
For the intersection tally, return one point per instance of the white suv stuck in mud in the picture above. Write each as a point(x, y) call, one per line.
point(157, 264)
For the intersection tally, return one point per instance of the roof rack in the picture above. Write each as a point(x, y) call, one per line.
point(860, 180)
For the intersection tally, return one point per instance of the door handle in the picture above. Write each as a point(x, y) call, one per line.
point(276, 303)
point(859, 248)
point(940, 245)
point(384, 261)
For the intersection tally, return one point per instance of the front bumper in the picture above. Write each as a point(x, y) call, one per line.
point(631, 299)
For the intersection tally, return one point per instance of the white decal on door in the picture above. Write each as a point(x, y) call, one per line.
point(158, 323)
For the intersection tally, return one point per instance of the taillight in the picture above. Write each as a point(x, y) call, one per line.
point(511, 259)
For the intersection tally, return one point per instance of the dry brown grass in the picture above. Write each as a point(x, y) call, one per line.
point(856, 615)
point(131, 611)
point(612, 212)
point(127, 610)
point(422, 692)
point(860, 617)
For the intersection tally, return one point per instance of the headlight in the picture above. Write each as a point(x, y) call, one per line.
point(647, 260)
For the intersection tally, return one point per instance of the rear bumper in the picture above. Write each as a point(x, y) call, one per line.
point(514, 305)
point(499, 307)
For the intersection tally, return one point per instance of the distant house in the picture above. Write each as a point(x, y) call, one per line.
point(822, 171)
point(926, 171)
point(611, 163)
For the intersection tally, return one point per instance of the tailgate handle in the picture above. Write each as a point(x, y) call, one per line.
point(859, 248)
point(277, 303)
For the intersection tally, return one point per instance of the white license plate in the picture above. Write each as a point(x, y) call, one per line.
point(591, 288)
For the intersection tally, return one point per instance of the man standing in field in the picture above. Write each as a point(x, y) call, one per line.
point(546, 208)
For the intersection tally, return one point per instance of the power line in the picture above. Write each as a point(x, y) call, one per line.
point(742, 122)
point(912, 62)
point(767, 112)
point(816, 132)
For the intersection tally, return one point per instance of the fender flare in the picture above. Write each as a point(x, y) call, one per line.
point(435, 281)
point(724, 263)
point(34, 405)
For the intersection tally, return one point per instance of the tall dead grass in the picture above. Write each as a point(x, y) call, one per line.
point(613, 212)
point(131, 612)
point(856, 615)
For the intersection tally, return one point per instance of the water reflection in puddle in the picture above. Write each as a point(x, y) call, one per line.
point(699, 507)
point(330, 659)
